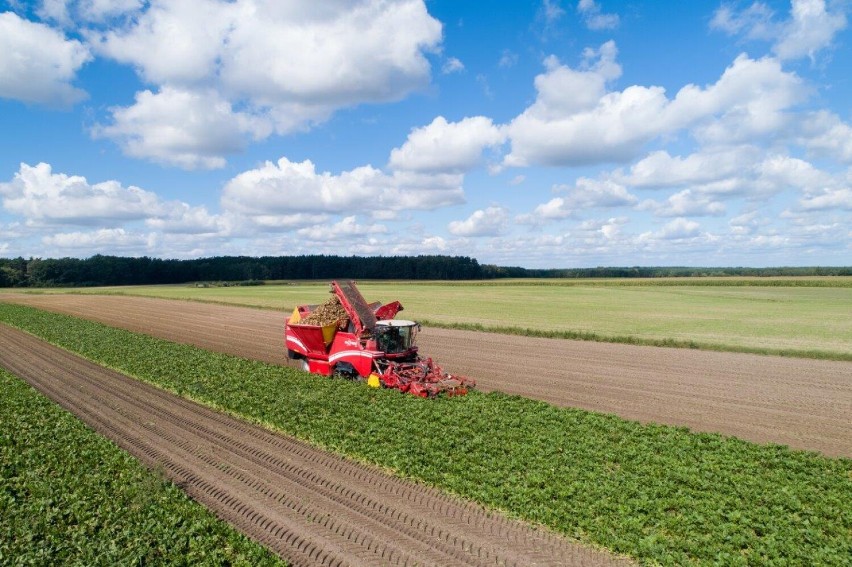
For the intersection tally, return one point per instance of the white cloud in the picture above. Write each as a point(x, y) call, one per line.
point(823, 133)
point(285, 222)
point(594, 18)
point(105, 240)
point(289, 65)
point(554, 209)
point(452, 65)
point(660, 170)
point(44, 197)
point(38, 64)
point(286, 188)
point(737, 171)
point(751, 99)
point(346, 229)
point(177, 42)
point(190, 129)
point(585, 194)
point(676, 229)
point(747, 223)
point(575, 121)
point(446, 146)
point(508, 59)
point(551, 11)
point(686, 203)
point(65, 11)
point(809, 29)
point(597, 193)
point(604, 230)
point(828, 199)
point(181, 218)
point(755, 22)
point(483, 222)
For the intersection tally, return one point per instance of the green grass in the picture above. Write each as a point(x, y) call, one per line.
point(658, 493)
point(70, 497)
point(783, 316)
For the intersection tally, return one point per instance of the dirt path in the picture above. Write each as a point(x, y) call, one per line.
point(806, 404)
point(310, 507)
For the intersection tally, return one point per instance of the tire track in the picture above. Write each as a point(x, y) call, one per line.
point(310, 507)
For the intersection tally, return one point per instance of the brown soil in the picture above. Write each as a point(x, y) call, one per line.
point(806, 404)
point(310, 507)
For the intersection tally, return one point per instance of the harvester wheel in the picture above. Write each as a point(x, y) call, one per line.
point(293, 355)
point(305, 366)
point(347, 371)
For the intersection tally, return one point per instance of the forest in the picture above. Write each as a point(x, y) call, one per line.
point(103, 270)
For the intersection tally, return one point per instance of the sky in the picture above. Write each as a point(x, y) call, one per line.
point(542, 134)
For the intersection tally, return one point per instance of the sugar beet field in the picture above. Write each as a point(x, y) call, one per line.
point(317, 479)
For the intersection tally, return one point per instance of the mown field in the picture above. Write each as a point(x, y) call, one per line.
point(660, 494)
point(787, 316)
point(70, 497)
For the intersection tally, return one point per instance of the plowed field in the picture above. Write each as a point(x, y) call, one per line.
point(310, 507)
point(806, 404)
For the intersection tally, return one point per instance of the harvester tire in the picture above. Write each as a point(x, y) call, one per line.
point(346, 371)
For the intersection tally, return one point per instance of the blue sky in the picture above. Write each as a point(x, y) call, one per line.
point(538, 134)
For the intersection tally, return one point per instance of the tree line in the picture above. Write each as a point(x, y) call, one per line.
point(102, 270)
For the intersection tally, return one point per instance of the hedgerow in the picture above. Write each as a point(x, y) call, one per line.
point(659, 493)
point(69, 496)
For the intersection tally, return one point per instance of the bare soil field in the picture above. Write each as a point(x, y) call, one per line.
point(310, 507)
point(803, 403)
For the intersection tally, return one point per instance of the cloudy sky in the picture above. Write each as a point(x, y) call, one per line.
point(539, 134)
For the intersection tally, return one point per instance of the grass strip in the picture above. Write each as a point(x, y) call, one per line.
point(634, 340)
point(70, 497)
point(658, 493)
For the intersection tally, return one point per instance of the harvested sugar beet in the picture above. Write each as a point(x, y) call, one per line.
point(329, 312)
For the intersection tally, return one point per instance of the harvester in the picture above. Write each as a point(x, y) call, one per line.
point(350, 338)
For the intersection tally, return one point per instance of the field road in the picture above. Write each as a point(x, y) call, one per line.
point(310, 507)
point(806, 404)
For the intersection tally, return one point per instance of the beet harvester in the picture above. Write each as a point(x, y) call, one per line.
point(362, 341)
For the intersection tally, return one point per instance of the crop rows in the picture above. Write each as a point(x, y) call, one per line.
point(69, 496)
point(657, 493)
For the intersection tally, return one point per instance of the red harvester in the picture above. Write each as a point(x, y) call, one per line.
point(367, 344)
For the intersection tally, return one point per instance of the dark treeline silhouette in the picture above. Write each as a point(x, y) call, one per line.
point(114, 270)
point(491, 272)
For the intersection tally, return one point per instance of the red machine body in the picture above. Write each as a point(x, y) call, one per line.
point(368, 344)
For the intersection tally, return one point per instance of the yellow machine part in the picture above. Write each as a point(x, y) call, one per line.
point(373, 381)
point(295, 317)
point(328, 333)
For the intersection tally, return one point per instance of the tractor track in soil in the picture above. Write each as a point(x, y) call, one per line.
point(803, 403)
point(307, 505)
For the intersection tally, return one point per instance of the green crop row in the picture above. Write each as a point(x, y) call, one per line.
point(70, 497)
point(657, 493)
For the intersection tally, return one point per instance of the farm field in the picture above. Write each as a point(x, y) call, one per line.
point(68, 496)
point(310, 507)
point(806, 404)
point(660, 494)
point(792, 316)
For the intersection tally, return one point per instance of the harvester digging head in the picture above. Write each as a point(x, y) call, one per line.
point(423, 378)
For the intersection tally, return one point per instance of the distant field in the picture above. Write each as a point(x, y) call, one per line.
point(796, 316)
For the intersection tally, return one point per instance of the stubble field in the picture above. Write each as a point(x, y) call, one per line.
point(787, 316)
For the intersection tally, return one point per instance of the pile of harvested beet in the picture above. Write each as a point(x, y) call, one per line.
point(329, 312)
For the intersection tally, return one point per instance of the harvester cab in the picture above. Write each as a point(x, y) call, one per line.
point(395, 337)
point(349, 337)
